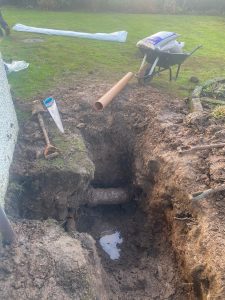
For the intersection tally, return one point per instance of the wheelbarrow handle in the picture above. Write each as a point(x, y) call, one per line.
point(195, 49)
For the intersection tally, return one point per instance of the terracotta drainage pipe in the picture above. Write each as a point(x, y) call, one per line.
point(109, 196)
point(114, 91)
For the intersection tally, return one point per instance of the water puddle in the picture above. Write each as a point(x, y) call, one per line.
point(109, 244)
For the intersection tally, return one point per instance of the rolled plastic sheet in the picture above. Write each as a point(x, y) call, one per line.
point(119, 36)
point(8, 131)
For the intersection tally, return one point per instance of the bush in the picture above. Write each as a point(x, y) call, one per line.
point(132, 6)
point(25, 3)
point(54, 4)
point(43, 4)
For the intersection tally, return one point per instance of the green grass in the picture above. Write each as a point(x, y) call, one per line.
point(59, 58)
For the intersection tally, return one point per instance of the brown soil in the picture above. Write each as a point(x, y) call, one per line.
point(173, 248)
point(147, 267)
point(47, 263)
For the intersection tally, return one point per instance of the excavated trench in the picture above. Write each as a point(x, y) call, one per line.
point(142, 265)
point(134, 245)
point(124, 194)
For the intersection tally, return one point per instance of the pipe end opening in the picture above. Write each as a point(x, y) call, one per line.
point(98, 106)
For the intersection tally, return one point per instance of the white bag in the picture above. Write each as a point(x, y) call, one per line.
point(16, 66)
point(173, 47)
point(158, 40)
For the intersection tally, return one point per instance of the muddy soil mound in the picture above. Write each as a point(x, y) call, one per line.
point(47, 263)
point(61, 180)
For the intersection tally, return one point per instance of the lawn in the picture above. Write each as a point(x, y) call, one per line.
point(59, 58)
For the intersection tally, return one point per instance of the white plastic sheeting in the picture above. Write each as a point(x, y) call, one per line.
point(119, 36)
point(16, 66)
point(8, 131)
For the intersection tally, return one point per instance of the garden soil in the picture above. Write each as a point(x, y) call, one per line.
point(172, 245)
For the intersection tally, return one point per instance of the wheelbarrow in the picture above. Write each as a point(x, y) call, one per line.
point(156, 61)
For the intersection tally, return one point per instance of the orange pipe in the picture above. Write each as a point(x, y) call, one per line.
point(113, 92)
